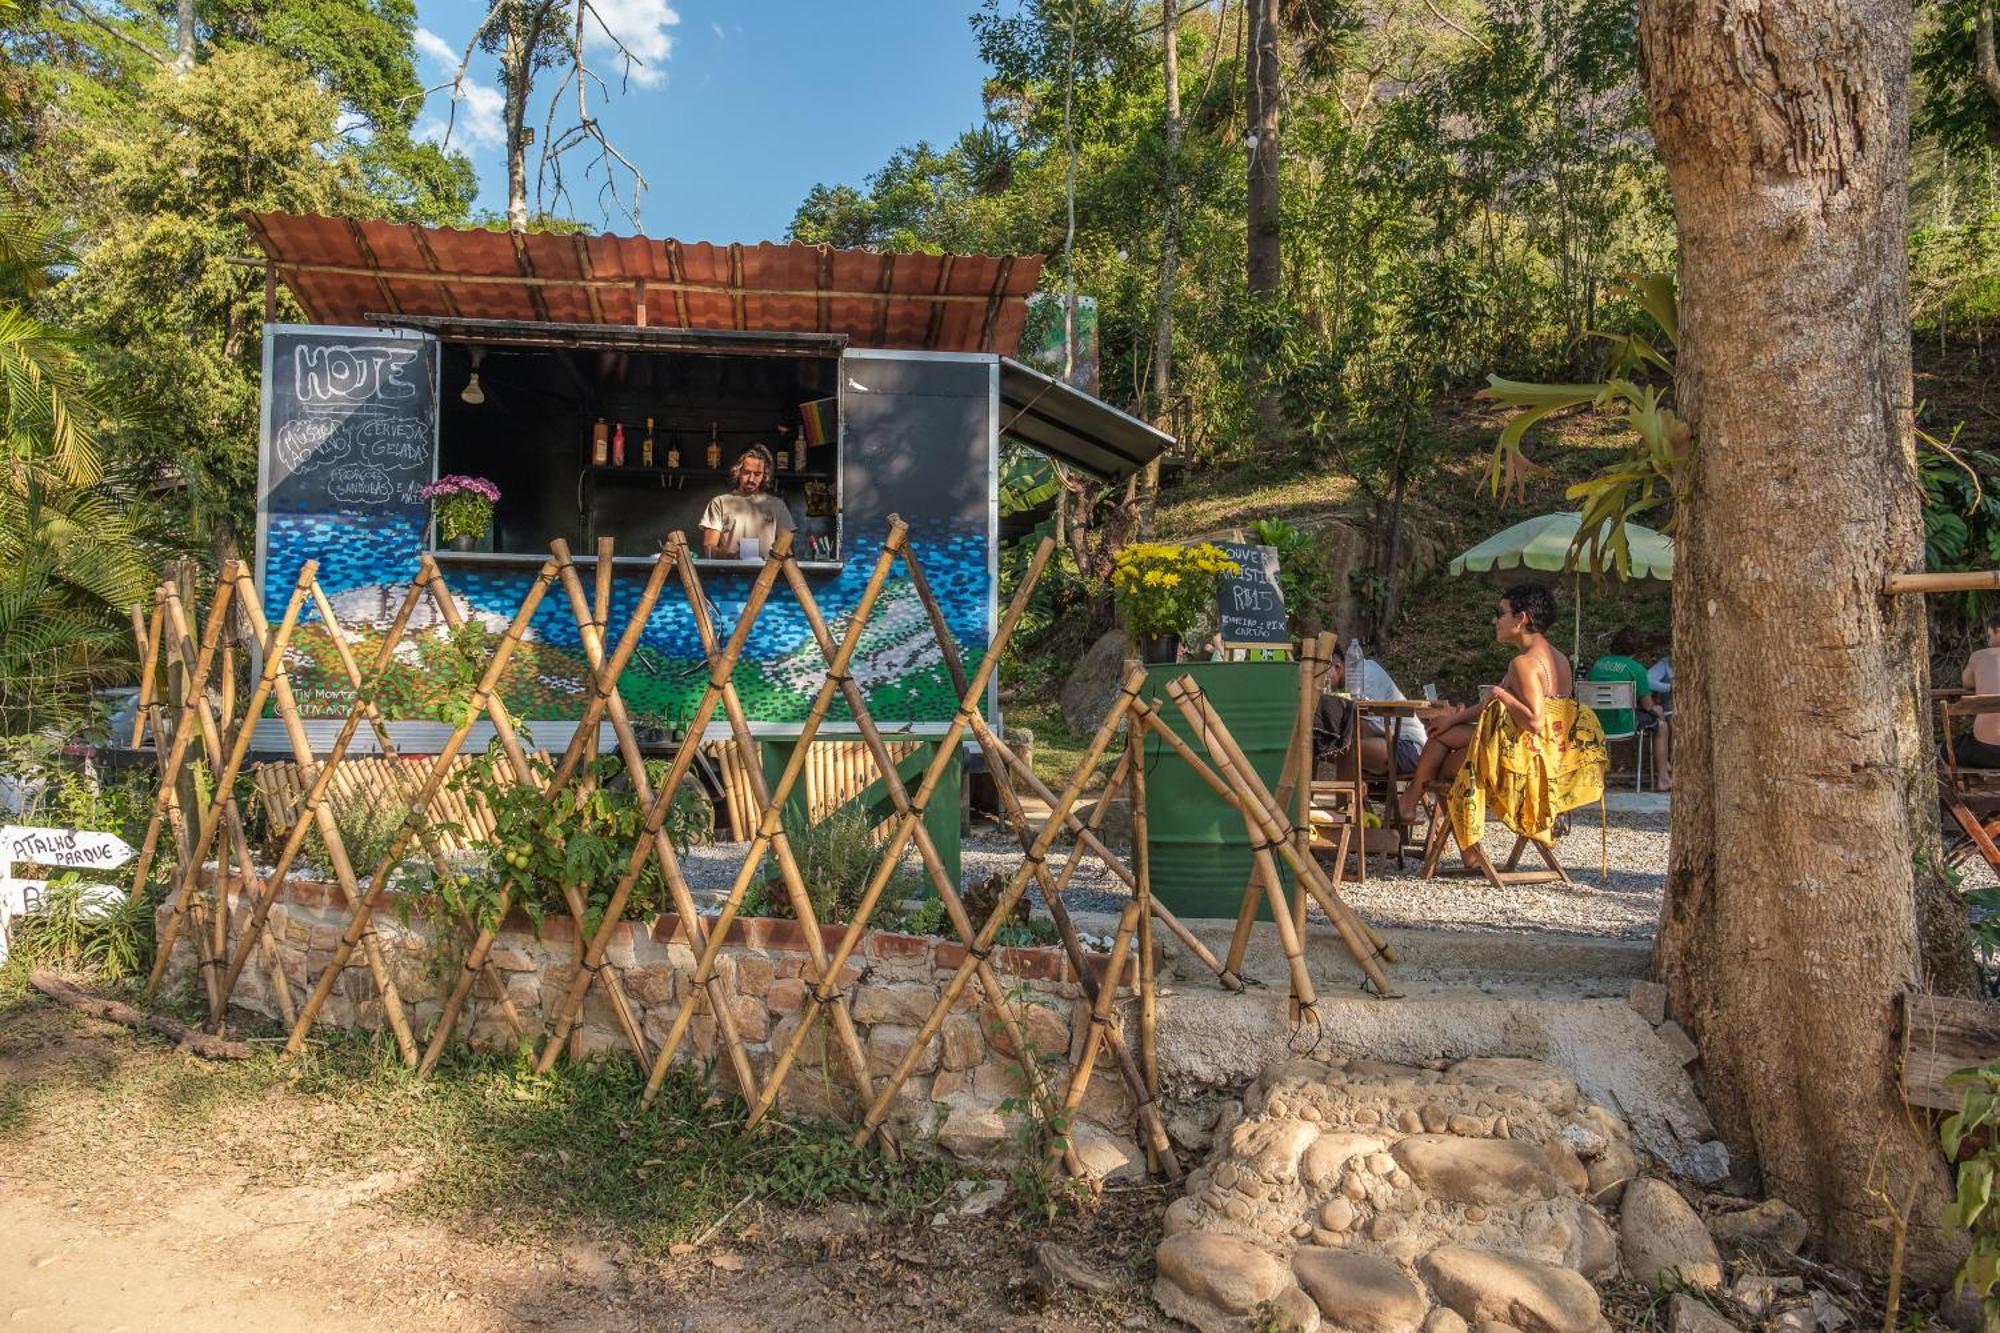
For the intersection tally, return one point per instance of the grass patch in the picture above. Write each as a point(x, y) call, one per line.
point(484, 1145)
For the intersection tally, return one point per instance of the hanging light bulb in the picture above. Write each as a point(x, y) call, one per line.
point(473, 394)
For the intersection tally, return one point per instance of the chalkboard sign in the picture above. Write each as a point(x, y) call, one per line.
point(350, 421)
point(1250, 607)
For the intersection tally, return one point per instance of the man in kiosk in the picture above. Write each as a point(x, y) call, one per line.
point(747, 514)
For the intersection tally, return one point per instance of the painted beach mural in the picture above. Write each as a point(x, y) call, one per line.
point(345, 456)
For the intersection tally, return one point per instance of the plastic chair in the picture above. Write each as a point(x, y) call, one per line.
point(1602, 696)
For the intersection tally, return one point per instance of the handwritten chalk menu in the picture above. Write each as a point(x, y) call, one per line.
point(1250, 608)
point(350, 420)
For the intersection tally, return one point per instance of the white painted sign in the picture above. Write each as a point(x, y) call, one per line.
point(75, 849)
point(78, 849)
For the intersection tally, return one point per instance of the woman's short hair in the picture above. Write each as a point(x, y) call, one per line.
point(1535, 600)
point(755, 451)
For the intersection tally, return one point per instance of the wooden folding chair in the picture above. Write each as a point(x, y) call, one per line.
point(1971, 796)
point(1433, 797)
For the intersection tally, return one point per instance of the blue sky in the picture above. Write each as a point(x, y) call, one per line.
point(742, 107)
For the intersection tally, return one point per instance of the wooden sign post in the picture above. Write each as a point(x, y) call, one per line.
point(71, 849)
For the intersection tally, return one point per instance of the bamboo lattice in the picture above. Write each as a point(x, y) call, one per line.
point(201, 720)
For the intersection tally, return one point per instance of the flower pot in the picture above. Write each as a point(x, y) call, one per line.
point(1156, 648)
point(464, 541)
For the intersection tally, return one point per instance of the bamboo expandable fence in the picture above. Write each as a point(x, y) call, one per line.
point(201, 725)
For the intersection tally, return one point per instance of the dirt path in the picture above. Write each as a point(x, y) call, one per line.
point(142, 1190)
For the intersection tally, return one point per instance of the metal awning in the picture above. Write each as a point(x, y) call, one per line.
point(1072, 427)
point(616, 337)
point(339, 268)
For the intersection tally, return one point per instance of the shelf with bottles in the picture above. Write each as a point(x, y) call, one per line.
point(700, 473)
point(620, 446)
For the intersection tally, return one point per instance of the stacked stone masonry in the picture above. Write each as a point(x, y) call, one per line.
point(959, 1095)
point(1386, 1198)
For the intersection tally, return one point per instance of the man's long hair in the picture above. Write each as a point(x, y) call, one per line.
point(770, 466)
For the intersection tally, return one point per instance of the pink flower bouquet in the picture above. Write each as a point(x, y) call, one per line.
point(463, 505)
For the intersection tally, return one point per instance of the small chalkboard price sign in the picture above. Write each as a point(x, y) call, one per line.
point(1250, 607)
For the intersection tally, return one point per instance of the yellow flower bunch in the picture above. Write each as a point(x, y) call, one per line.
point(1165, 589)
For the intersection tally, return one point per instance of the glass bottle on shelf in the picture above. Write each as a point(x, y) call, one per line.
point(600, 443)
point(618, 445)
point(673, 456)
point(782, 458)
point(646, 446)
point(714, 448)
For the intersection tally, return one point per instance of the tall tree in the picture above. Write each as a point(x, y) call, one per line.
point(1790, 925)
point(1265, 269)
point(1170, 239)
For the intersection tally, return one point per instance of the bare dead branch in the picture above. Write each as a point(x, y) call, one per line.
point(90, 16)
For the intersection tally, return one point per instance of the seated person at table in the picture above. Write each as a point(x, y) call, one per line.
point(1651, 716)
point(1375, 683)
point(1537, 674)
point(748, 511)
point(1982, 676)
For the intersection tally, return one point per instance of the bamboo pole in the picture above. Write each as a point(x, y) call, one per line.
point(1230, 978)
point(166, 808)
point(770, 824)
point(990, 984)
point(591, 953)
point(1157, 1142)
point(517, 759)
point(1142, 869)
point(208, 821)
point(180, 737)
point(762, 794)
point(1159, 1147)
point(572, 761)
point(1980, 580)
point(193, 669)
point(147, 638)
point(1017, 883)
point(899, 836)
point(1256, 805)
point(322, 816)
point(322, 782)
point(1100, 1012)
point(482, 693)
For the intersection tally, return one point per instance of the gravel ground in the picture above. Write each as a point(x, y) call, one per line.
point(1626, 906)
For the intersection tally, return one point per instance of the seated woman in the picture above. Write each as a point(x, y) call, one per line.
point(1537, 674)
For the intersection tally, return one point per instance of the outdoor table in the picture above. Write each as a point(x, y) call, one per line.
point(1394, 710)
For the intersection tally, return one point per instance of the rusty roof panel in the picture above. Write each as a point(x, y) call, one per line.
point(341, 269)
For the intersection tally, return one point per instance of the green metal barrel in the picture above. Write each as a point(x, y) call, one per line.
point(1199, 847)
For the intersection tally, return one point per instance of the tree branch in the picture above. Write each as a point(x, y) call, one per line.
point(1458, 27)
point(165, 61)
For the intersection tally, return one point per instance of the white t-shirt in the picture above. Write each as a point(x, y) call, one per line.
point(1378, 684)
point(738, 516)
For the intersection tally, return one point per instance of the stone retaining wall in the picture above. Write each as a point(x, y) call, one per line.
point(956, 1097)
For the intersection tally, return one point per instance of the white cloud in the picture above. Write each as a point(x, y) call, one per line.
point(716, 28)
point(642, 26)
point(480, 121)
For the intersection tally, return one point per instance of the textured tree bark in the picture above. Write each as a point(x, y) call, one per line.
point(1170, 246)
point(1801, 732)
point(1264, 258)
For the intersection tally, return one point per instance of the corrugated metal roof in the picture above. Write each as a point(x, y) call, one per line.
point(343, 268)
point(1068, 424)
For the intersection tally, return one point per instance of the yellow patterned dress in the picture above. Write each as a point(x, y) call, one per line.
point(1527, 778)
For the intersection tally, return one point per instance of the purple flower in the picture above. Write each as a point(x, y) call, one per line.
point(457, 483)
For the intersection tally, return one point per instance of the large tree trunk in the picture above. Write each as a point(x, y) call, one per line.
point(1790, 923)
point(1264, 270)
point(1170, 248)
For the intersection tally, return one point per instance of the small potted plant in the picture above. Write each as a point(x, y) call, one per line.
point(1163, 591)
point(464, 508)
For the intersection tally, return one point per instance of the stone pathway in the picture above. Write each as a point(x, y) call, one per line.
point(1385, 1198)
